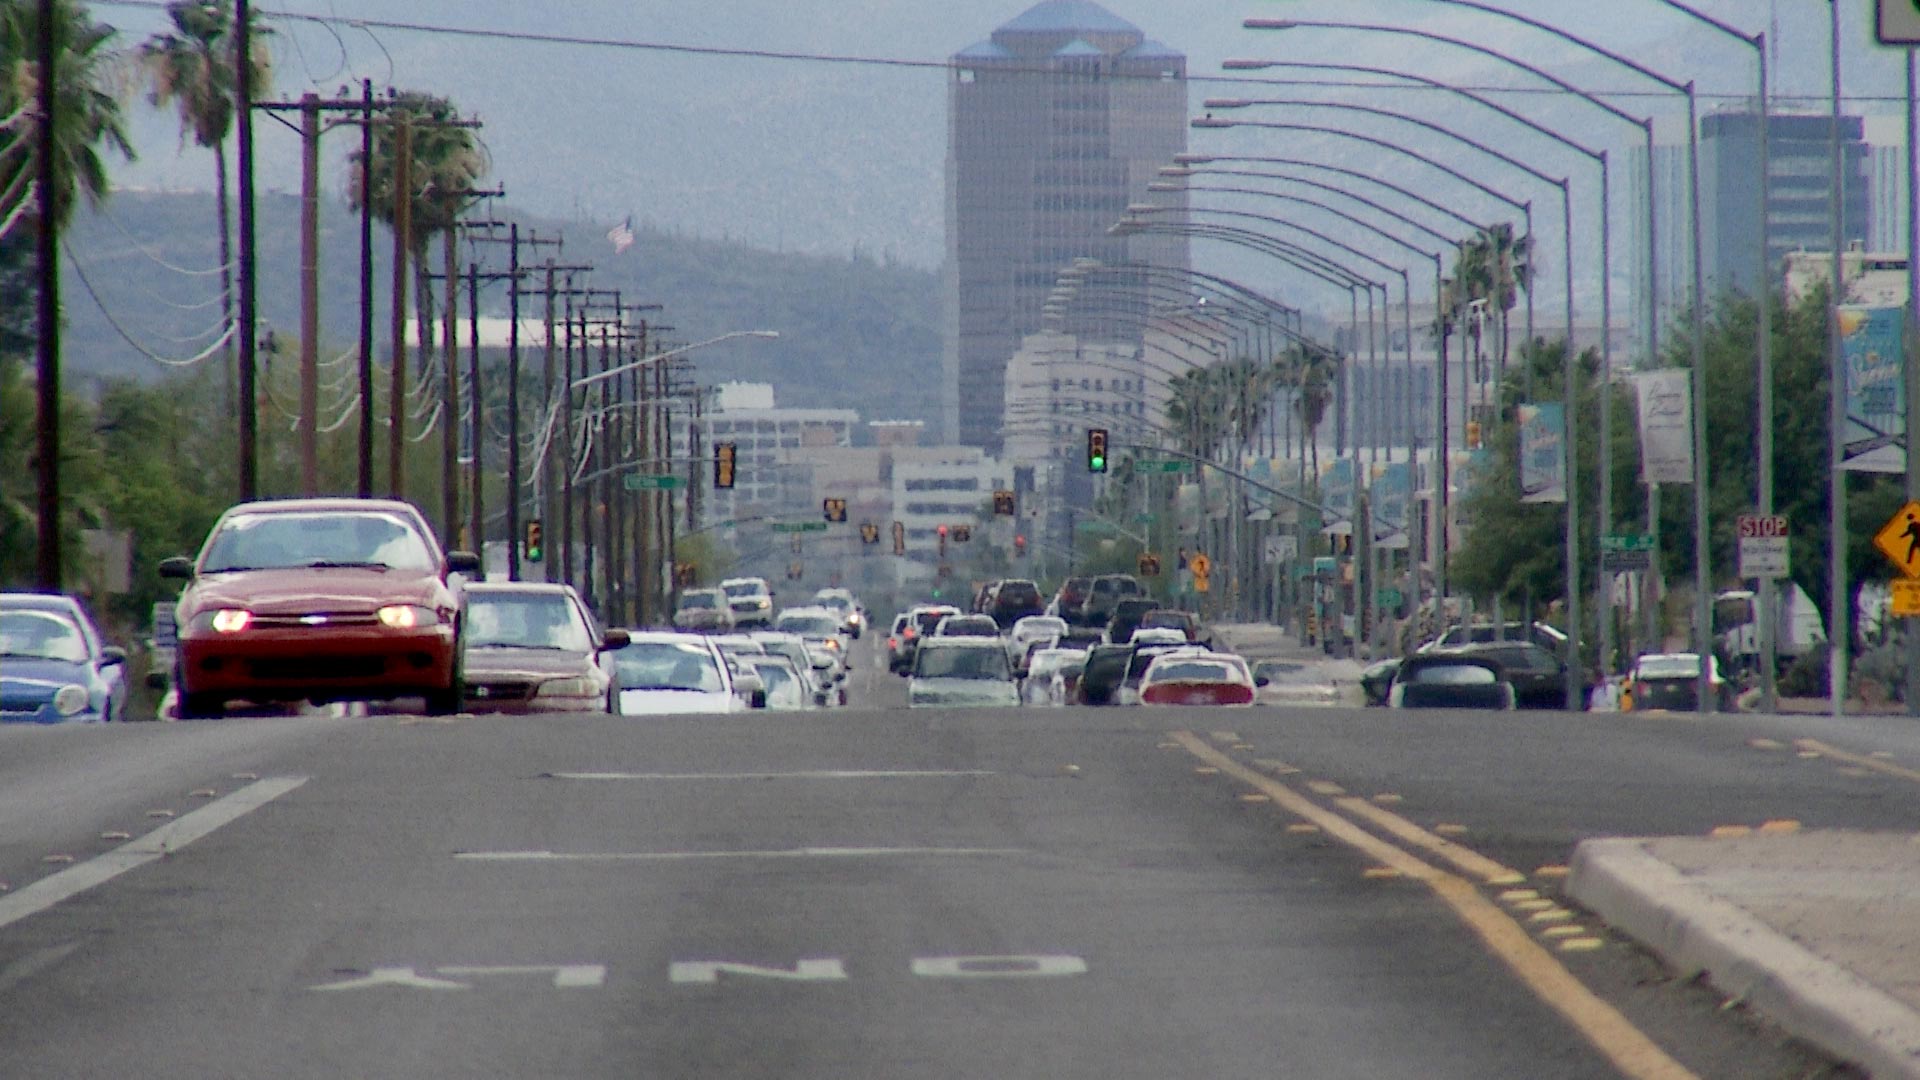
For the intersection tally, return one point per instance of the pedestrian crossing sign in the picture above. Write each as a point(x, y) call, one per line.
point(1899, 539)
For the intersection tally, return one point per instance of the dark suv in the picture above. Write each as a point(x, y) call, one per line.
point(1105, 592)
point(1069, 600)
point(1015, 599)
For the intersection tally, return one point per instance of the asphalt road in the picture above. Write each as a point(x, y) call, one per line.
point(877, 892)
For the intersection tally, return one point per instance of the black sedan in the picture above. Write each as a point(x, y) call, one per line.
point(1450, 681)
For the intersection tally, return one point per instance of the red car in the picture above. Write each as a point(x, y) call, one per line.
point(319, 600)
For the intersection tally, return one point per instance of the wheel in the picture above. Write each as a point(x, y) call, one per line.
point(199, 706)
point(453, 698)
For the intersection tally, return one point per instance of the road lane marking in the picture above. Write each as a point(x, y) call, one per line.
point(392, 976)
point(997, 967)
point(161, 842)
point(696, 856)
point(1611, 1033)
point(1465, 859)
point(815, 774)
point(708, 972)
point(1816, 748)
point(565, 976)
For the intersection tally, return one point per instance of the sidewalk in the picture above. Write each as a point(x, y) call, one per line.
point(1818, 930)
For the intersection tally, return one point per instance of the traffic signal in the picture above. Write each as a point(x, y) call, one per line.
point(1148, 565)
point(1003, 504)
point(1473, 434)
point(1097, 450)
point(869, 533)
point(943, 541)
point(536, 547)
point(962, 533)
point(1019, 545)
point(833, 509)
point(899, 538)
point(723, 459)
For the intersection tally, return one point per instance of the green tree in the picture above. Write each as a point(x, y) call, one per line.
point(195, 68)
point(85, 108)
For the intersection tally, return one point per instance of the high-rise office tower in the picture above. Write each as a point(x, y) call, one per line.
point(1055, 124)
point(1799, 197)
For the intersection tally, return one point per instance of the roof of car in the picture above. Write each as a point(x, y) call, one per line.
point(553, 587)
point(274, 506)
point(655, 637)
point(961, 643)
point(744, 581)
point(28, 601)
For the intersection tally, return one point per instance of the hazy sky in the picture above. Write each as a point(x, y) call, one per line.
point(831, 158)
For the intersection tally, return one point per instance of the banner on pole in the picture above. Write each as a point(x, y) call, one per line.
point(1666, 426)
point(1392, 493)
point(1870, 343)
point(1543, 453)
point(1337, 494)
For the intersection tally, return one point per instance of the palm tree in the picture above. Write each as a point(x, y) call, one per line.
point(445, 162)
point(195, 67)
point(86, 111)
point(1310, 372)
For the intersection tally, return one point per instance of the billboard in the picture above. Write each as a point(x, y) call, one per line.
point(1666, 426)
point(1543, 453)
point(1392, 495)
point(1870, 345)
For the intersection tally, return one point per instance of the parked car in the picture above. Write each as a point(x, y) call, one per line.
point(1069, 599)
point(1197, 678)
point(665, 672)
point(1671, 681)
point(706, 611)
point(1376, 679)
point(321, 600)
point(1106, 591)
point(961, 671)
point(1445, 680)
point(1015, 599)
point(751, 599)
point(1105, 669)
point(1127, 613)
point(1539, 677)
point(54, 665)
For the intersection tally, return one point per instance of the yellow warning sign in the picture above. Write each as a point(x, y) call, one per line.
point(1906, 598)
point(1899, 540)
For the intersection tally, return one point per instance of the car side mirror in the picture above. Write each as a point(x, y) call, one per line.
point(462, 562)
point(616, 639)
point(179, 567)
point(112, 654)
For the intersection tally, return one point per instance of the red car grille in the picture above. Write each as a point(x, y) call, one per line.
point(316, 620)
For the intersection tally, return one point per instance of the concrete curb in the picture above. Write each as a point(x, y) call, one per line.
point(1694, 931)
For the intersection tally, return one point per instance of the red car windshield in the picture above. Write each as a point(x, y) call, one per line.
point(283, 541)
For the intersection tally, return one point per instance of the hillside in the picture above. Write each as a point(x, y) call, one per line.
point(855, 333)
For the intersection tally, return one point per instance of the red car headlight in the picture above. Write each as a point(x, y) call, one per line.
point(230, 620)
point(406, 616)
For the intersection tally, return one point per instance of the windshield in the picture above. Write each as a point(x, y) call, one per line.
point(700, 600)
point(1212, 671)
point(667, 665)
point(1670, 667)
point(743, 588)
point(41, 635)
point(525, 620)
point(815, 626)
point(1454, 675)
point(287, 540)
point(927, 620)
point(938, 663)
point(783, 685)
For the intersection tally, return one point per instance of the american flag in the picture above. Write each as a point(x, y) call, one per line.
point(621, 235)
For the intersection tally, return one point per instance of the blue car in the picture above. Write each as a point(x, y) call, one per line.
point(54, 667)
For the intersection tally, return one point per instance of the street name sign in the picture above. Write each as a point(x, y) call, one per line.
point(798, 526)
point(652, 482)
point(1899, 539)
point(1620, 553)
point(1899, 22)
point(1763, 545)
point(1388, 596)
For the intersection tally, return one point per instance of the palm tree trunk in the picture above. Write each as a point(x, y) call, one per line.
point(220, 198)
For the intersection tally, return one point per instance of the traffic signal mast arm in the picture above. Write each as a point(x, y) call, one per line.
point(1327, 513)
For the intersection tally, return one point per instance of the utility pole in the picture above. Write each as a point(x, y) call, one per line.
point(365, 360)
point(47, 325)
point(402, 228)
point(243, 100)
point(309, 293)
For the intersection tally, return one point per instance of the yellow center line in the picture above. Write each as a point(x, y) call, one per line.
point(1464, 859)
point(1815, 746)
point(1612, 1034)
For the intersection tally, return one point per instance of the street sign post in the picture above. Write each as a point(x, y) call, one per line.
point(1620, 553)
point(798, 526)
point(1899, 539)
point(652, 482)
point(1763, 545)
